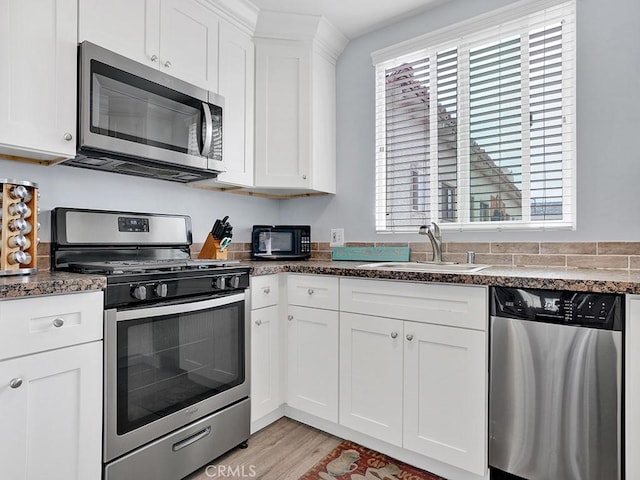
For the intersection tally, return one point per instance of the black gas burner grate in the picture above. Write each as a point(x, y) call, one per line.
point(113, 267)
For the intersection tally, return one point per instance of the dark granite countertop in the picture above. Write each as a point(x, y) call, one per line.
point(49, 283)
point(554, 278)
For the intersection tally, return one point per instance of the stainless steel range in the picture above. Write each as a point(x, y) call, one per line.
point(176, 341)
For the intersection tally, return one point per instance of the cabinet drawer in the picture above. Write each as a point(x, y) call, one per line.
point(29, 325)
point(313, 291)
point(454, 305)
point(264, 291)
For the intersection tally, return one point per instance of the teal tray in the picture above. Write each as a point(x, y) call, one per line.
point(371, 254)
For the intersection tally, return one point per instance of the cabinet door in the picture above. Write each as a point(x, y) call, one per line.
point(51, 423)
point(38, 54)
point(189, 42)
point(265, 363)
point(371, 375)
point(313, 361)
point(137, 35)
point(445, 394)
point(282, 115)
point(632, 387)
point(236, 85)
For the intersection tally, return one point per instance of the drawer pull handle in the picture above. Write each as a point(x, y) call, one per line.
point(394, 335)
point(409, 336)
point(58, 322)
point(192, 439)
point(310, 291)
point(258, 322)
point(15, 382)
point(290, 317)
point(266, 290)
point(154, 58)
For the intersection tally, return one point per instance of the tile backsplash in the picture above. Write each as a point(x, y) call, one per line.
point(617, 255)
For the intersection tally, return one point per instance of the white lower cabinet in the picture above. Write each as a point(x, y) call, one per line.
point(415, 381)
point(51, 421)
point(632, 387)
point(265, 362)
point(51, 388)
point(445, 394)
point(371, 375)
point(403, 363)
point(312, 358)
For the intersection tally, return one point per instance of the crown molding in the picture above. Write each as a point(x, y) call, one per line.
point(314, 29)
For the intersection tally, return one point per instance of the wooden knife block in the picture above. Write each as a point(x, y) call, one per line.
point(211, 249)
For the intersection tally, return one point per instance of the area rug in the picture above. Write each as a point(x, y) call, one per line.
point(350, 461)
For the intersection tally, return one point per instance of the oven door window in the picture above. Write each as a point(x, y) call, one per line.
point(167, 363)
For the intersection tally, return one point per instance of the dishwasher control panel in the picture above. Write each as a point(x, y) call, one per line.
point(595, 310)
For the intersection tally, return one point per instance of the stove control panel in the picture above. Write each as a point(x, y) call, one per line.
point(181, 285)
point(228, 282)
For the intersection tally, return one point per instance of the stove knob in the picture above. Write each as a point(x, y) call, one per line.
point(220, 283)
point(161, 290)
point(139, 292)
point(234, 281)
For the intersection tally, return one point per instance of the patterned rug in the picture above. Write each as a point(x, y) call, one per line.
point(350, 461)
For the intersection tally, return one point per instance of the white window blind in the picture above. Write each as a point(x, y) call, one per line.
point(475, 127)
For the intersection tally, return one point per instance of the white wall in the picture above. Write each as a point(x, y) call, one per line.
point(62, 186)
point(608, 128)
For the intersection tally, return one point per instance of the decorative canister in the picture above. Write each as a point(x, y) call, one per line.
point(18, 227)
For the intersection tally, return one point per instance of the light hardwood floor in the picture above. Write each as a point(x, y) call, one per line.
point(284, 450)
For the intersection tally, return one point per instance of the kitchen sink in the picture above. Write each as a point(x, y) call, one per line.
point(441, 267)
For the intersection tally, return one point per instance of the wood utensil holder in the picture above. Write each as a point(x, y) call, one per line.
point(211, 249)
point(6, 251)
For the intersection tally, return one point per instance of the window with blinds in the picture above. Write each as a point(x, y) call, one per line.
point(475, 128)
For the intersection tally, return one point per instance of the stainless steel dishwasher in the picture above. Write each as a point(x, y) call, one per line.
point(555, 403)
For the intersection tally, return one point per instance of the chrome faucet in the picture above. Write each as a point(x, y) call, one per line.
point(433, 232)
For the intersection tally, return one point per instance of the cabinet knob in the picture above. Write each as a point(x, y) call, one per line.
point(58, 322)
point(409, 336)
point(304, 177)
point(15, 382)
point(154, 58)
point(394, 335)
point(266, 290)
point(258, 322)
point(68, 137)
point(310, 291)
point(167, 64)
point(290, 317)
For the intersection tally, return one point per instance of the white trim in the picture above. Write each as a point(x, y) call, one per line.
point(489, 20)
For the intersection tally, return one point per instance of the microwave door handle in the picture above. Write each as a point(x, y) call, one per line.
point(207, 136)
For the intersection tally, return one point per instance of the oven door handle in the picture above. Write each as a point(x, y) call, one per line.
point(174, 309)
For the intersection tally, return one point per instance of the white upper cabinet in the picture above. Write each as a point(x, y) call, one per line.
point(295, 102)
point(179, 37)
point(189, 42)
point(38, 79)
point(138, 33)
point(236, 85)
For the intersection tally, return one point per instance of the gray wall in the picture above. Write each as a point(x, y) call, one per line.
point(608, 128)
point(62, 186)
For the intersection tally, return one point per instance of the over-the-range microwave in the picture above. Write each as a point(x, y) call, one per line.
point(138, 120)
